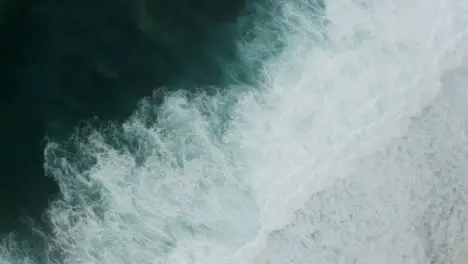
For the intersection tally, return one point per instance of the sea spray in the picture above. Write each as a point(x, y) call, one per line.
point(294, 168)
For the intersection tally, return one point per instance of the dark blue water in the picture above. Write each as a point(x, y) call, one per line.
point(70, 63)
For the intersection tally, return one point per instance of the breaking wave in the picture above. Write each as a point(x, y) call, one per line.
point(349, 148)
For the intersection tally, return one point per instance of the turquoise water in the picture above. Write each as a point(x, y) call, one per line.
point(348, 147)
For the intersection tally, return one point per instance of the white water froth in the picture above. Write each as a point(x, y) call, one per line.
point(351, 150)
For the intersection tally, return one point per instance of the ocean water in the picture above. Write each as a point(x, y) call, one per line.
point(350, 147)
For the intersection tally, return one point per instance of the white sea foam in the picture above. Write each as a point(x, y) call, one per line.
point(350, 149)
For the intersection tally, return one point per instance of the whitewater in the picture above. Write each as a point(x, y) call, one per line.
point(350, 147)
